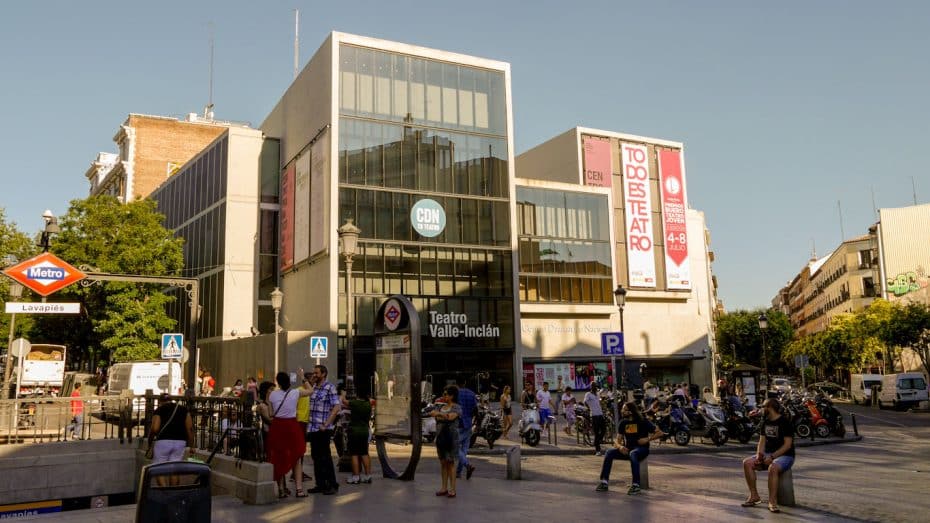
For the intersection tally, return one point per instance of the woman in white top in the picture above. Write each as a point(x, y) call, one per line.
point(286, 442)
point(568, 406)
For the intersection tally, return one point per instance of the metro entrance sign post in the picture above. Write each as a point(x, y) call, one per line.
point(45, 274)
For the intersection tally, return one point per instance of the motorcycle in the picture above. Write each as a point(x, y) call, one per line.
point(833, 416)
point(488, 425)
point(706, 421)
point(820, 423)
point(738, 423)
point(675, 426)
point(529, 428)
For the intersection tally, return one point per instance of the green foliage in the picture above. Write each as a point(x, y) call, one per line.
point(739, 338)
point(124, 319)
point(18, 245)
point(855, 340)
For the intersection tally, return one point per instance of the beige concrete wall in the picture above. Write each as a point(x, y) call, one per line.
point(556, 160)
point(254, 356)
point(49, 471)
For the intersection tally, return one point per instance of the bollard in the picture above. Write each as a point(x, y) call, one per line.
point(513, 462)
point(855, 427)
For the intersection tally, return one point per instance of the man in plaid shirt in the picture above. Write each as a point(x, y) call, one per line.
point(324, 408)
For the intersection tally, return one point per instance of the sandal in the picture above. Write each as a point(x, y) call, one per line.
point(301, 493)
point(751, 502)
point(774, 508)
point(451, 494)
point(442, 492)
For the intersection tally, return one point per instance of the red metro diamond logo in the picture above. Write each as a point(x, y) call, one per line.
point(45, 274)
point(392, 315)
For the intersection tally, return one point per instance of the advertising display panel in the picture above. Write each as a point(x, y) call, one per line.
point(319, 168)
point(287, 217)
point(674, 224)
point(597, 164)
point(637, 196)
point(302, 208)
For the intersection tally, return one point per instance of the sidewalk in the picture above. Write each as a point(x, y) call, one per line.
point(479, 499)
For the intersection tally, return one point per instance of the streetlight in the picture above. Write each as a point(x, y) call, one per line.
point(763, 326)
point(620, 296)
point(16, 291)
point(51, 227)
point(277, 297)
point(348, 248)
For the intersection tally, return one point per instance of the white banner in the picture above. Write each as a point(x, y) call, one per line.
point(302, 208)
point(42, 308)
point(640, 250)
point(319, 173)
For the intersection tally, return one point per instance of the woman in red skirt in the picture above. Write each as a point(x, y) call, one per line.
point(286, 442)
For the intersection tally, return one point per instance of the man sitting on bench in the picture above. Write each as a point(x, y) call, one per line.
point(775, 453)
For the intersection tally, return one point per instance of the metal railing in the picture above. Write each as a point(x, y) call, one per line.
point(225, 425)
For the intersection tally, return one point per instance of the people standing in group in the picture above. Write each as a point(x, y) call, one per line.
point(208, 385)
point(324, 408)
point(507, 410)
point(528, 396)
point(775, 452)
point(251, 388)
point(75, 429)
point(303, 415)
point(285, 440)
point(237, 388)
point(545, 404)
point(633, 436)
point(358, 438)
point(170, 434)
point(599, 424)
point(263, 409)
point(447, 438)
point(468, 403)
point(568, 406)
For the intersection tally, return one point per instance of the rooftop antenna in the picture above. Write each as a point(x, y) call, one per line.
point(839, 207)
point(813, 249)
point(296, 41)
point(208, 110)
point(874, 208)
point(914, 188)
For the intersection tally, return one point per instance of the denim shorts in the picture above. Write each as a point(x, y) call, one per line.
point(784, 462)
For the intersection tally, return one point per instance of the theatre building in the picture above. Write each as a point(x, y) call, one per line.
point(595, 209)
point(415, 146)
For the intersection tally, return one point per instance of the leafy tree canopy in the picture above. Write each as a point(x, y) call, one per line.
point(122, 319)
point(15, 246)
point(739, 338)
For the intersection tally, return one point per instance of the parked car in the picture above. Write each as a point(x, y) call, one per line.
point(781, 384)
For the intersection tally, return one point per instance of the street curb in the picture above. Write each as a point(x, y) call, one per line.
point(501, 450)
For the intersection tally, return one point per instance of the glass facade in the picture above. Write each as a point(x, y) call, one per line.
point(409, 129)
point(564, 247)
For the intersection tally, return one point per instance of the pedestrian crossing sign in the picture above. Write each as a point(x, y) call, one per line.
point(172, 346)
point(319, 346)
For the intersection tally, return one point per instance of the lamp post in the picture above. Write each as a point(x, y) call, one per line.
point(620, 296)
point(348, 247)
point(277, 297)
point(51, 227)
point(16, 291)
point(763, 326)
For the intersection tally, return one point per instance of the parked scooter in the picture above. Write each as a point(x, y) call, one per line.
point(738, 423)
point(833, 416)
point(707, 421)
point(821, 425)
point(487, 424)
point(674, 424)
point(529, 428)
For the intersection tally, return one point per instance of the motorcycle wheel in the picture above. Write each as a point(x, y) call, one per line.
point(803, 430)
point(719, 438)
point(682, 438)
point(532, 438)
point(744, 436)
point(822, 430)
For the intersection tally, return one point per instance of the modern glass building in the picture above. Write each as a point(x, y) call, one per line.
point(415, 146)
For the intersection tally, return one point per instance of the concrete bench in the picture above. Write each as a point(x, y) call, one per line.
point(644, 474)
point(786, 489)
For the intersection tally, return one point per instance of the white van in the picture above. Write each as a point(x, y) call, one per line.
point(902, 390)
point(136, 377)
point(860, 387)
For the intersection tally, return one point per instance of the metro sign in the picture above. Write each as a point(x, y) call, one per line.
point(45, 274)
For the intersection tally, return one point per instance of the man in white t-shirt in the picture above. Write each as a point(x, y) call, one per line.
point(597, 418)
point(544, 402)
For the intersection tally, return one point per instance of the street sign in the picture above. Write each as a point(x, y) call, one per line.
point(42, 308)
point(612, 343)
point(319, 346)
point(172, 346)
point(20, 347)
point(45, 274)
point(801, 361)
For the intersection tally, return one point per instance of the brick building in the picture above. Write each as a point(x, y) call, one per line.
point(151, 149)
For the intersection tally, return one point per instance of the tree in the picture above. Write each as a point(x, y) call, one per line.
point(15, 246)
point(122, 319)
point(739, 339)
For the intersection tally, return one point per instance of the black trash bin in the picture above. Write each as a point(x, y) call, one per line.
point(175, 492)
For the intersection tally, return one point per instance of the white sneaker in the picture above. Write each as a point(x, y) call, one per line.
point(354, 480)
point(366, 479)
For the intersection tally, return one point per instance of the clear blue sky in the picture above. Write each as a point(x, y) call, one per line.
point(784, 108)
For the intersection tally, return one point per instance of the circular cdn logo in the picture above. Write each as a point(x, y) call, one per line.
point(428, 218)
point(672, 185)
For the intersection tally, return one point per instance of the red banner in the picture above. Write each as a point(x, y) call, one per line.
point(597, 165)
point(677, 268)
point(287, 217)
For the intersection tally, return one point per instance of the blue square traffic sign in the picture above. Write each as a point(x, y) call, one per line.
point(172, 346)
point(612, 343)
